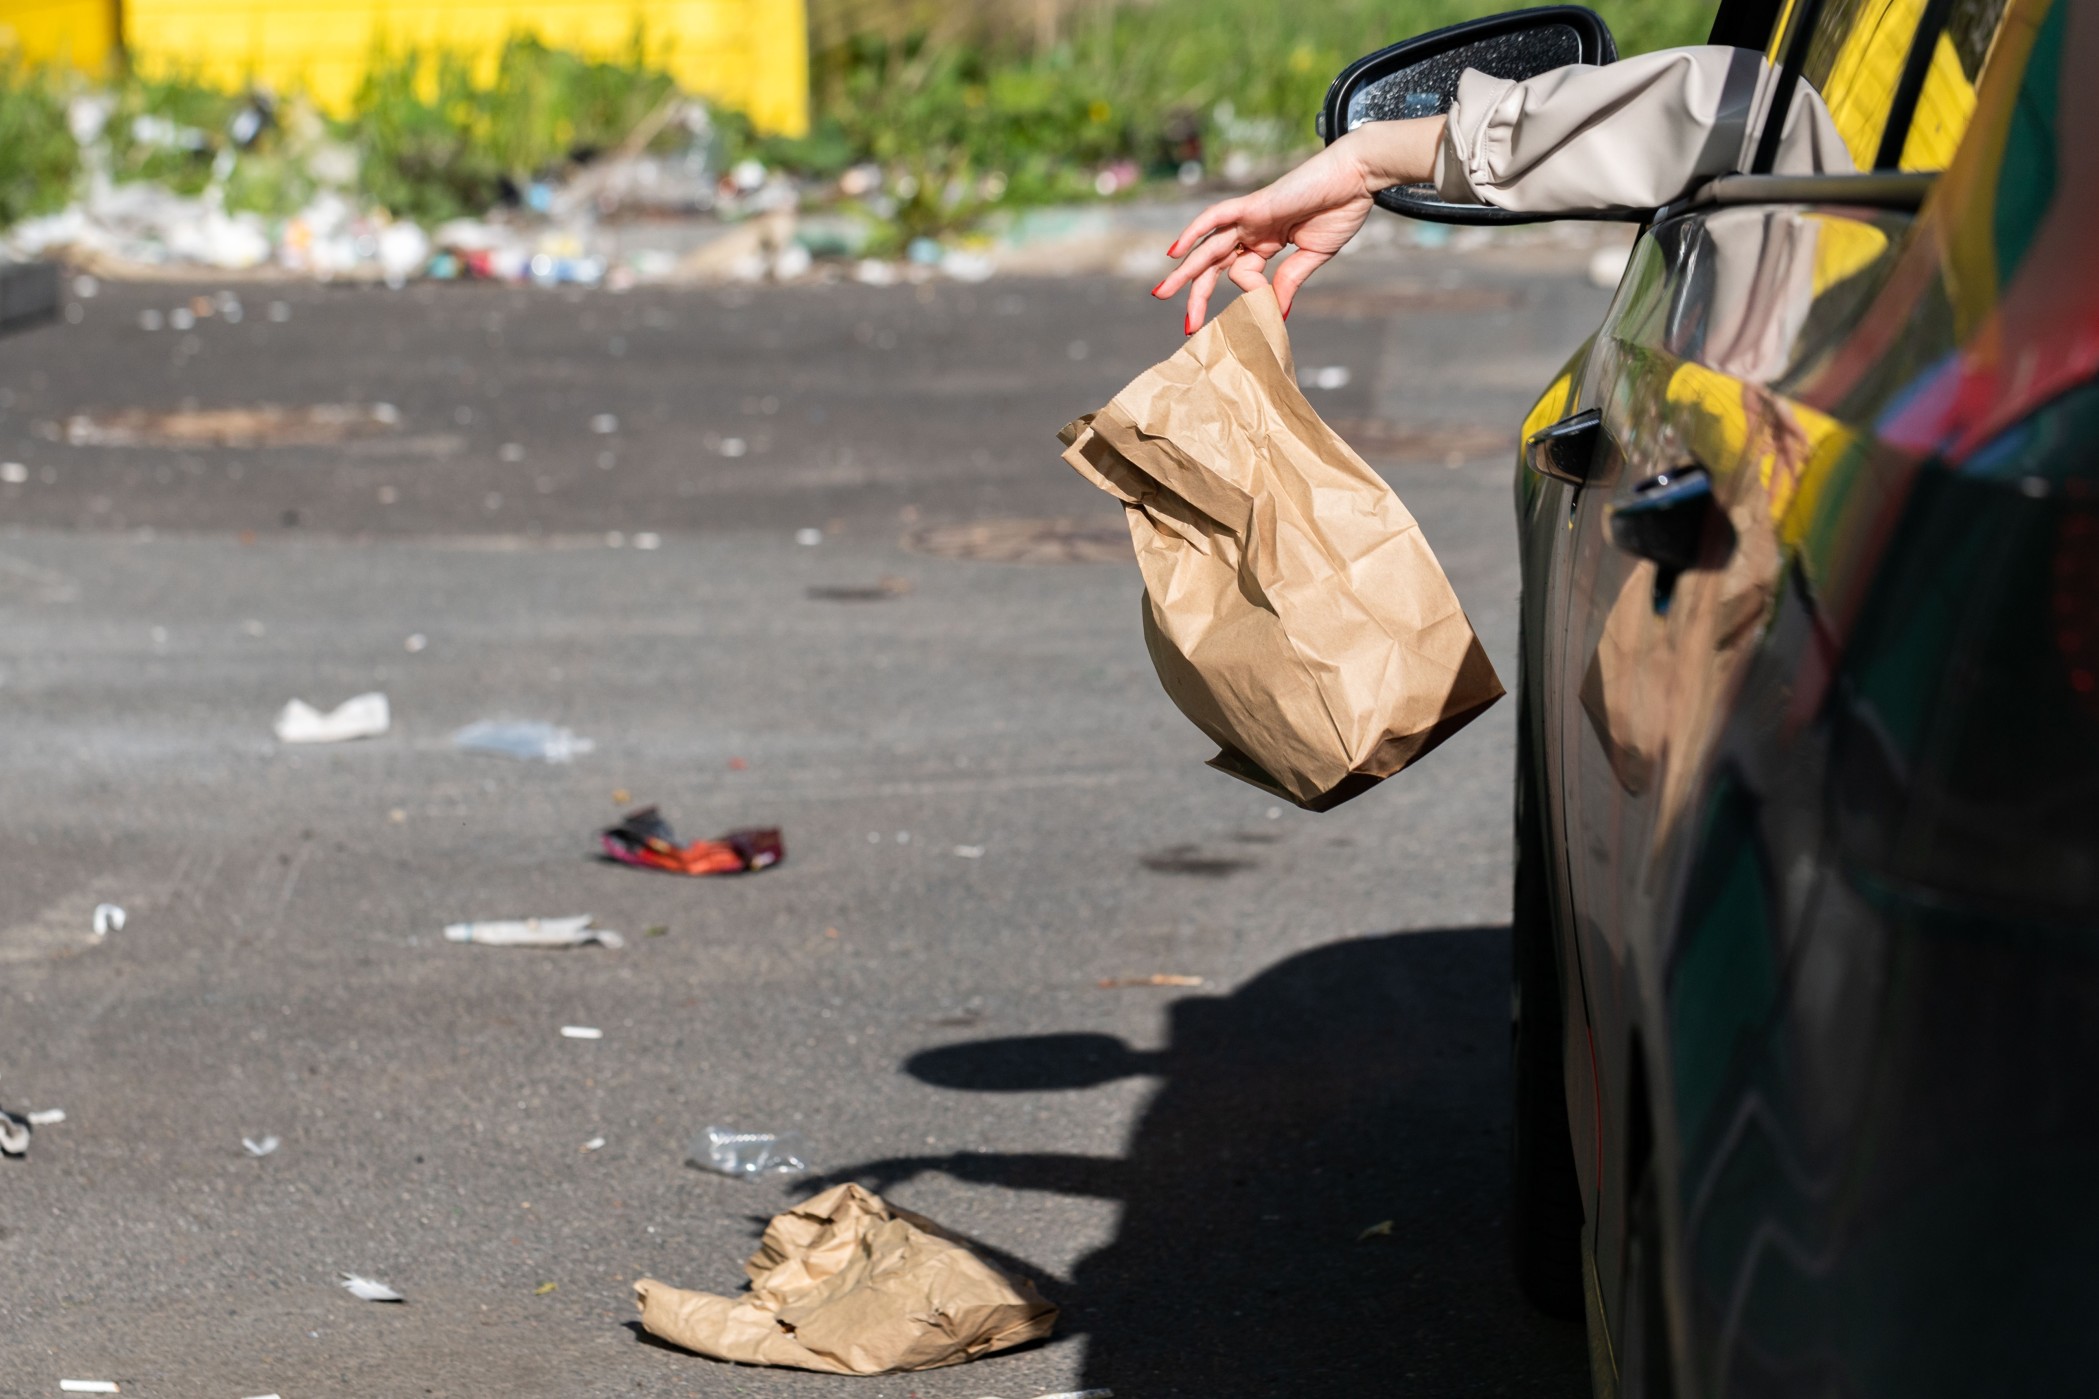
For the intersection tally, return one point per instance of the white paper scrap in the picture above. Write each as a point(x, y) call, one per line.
point(594, 1143)
point(88, 1387)
point(534, 932)
point(259, 1148)
point(366, 1290)
point(582, 1032)
point(970, 852)
point(362, 716)
point(109, 918)
point(45, 1117)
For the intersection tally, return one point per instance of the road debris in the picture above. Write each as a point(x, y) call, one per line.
point(735, 1153)
point(1380, 1230)
point(594, 1144)
point(534, 932)
point(14, 1134)
point(527, 740)
point(109, 918)
point(362, 716)
point(882, 590)
point(1116, 983)
point(88, 1387)
point(46, 1117)
point(970, 852)
point(544, 1288)
point(809, 538)
point(367, 1290)
point(645, 839)
point(260, 1149)
point(846, 1284)
point(260, 425)
point(581, 1032)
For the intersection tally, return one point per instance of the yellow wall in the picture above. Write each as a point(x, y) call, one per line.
point(76, 33)
point(748, 54)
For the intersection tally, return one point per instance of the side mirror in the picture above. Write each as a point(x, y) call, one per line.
point(1419, 78)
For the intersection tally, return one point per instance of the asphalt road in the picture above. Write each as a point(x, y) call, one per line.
point(588, 508)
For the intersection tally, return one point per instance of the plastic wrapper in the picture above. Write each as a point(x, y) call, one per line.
point(735, 1153)
point(645, 839)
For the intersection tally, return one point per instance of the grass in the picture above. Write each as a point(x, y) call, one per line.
point(975, 118)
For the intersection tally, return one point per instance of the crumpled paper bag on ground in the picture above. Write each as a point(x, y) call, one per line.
point(1292, 608)
point(850, 1285)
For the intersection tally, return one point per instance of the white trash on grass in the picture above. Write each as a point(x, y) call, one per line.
point(362, 716)
point(534, 932)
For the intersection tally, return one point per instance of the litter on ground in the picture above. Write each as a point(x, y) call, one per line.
point(109, 918)
point(594, 1144)
point(526, 740)
point(14, 1134)
point(362, 716)
point(47, 1117)
point(260, 1148)
point(1116, 983)
point(735, 1153)
point(534, 932)
point(581, 1032)
point(645, 839)
point(367, 1290)
point(88, 1387)
point(847, 1284)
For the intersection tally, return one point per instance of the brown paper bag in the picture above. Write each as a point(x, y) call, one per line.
point(1292, 608)
point(848, 1284)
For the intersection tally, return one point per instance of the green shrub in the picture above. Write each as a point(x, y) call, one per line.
point(437, 144)
point(38, 158)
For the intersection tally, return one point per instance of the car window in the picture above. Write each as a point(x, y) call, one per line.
point(1958, 53)
point(1875, 61)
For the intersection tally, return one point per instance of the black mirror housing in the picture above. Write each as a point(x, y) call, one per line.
point(1419, 78)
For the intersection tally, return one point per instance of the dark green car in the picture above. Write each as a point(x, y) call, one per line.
point(1807, 909)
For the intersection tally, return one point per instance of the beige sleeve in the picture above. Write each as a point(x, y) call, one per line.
point(1632, 134)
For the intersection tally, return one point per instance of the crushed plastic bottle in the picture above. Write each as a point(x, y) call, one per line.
point(735, 1153)
point(528, 740)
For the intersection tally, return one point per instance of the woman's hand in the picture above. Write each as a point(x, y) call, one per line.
point(1316, 208)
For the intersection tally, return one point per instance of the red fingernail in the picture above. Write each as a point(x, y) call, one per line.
point(1155, 290)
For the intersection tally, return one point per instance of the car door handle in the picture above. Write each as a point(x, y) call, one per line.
point(1666, 518)
point(1566, 450)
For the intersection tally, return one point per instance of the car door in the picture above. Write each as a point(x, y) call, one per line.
point(1673, 558)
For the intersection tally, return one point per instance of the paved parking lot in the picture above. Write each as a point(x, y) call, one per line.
point(590, 509)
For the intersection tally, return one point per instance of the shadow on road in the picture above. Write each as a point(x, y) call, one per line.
point(1355, 1085)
